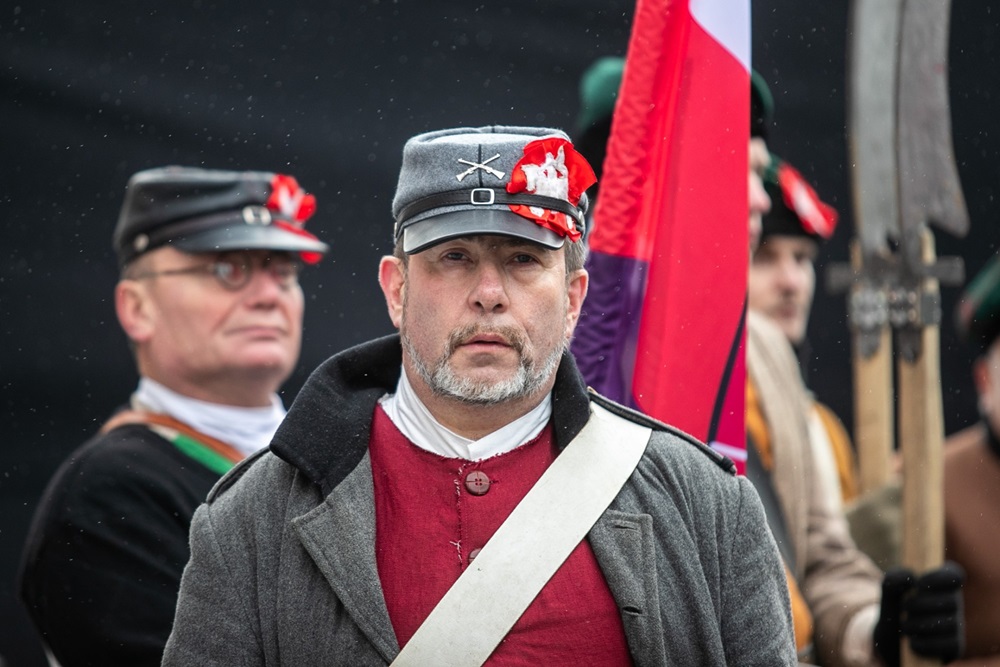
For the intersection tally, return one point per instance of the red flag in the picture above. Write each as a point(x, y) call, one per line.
point(662, 328)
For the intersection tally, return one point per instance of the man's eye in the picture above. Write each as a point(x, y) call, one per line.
point(284, 271)
point(229, 270)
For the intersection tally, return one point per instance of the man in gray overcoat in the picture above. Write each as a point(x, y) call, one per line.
point(395, 490)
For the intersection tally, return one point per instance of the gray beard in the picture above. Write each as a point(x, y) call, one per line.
point(529, 378)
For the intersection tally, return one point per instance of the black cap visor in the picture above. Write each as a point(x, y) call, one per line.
point(241, 236)
point(430, 231)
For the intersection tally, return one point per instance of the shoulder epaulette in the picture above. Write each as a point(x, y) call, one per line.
point(234, 475)
point(624, 412)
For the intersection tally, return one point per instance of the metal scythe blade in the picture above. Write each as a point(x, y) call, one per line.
point(871, 129)
point(871, 121)
point(929, 187)
point(873, 49)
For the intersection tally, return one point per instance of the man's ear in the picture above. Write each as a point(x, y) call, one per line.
point(392, 279)
point(579, 282)
point(134, 307)
point(981, 374)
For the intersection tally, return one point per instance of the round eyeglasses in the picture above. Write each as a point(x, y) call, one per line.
point(233, 270)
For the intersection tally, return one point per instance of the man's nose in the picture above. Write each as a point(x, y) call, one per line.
point(760, 201)
point(265, 284)
point(490, 289)
point(790, 273)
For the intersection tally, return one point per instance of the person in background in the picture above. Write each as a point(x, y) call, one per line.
point(210, 300)
point(972, 474)
point(384, 488)
point(781, 287)
point(780, 462)
point(599, 86)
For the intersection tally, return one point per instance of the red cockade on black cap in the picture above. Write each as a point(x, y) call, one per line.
point(816, 217)
point(291, 201)
point(796, 209)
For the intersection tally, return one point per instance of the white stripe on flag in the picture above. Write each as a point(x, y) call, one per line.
point(728, 21)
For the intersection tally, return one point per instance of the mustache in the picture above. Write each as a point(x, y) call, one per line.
point(461, 336)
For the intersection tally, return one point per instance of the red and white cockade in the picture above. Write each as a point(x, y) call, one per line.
point(551, 167)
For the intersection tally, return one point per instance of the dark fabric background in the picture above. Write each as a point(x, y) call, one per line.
point(92, 92)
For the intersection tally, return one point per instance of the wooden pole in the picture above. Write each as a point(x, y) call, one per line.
point(921, 438)
point(873, 404)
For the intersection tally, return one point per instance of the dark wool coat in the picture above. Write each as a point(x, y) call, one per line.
point(109, 542)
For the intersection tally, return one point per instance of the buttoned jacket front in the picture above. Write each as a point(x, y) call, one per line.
point(283, 567)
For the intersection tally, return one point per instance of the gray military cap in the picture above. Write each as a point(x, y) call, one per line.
point(469, 181)
point(211, 210)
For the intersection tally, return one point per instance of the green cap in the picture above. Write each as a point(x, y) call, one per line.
point(599, 89)
point(977, 316)
point(761, 105)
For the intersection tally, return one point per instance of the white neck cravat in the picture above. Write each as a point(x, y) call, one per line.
point(415, 421)
point(246, 429)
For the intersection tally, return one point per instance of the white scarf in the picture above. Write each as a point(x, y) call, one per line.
point(415, 421)
point(246, 429)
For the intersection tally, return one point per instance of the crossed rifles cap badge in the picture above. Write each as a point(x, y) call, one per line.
point(476, 166)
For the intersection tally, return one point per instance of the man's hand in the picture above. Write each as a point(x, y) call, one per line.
point(927, 610)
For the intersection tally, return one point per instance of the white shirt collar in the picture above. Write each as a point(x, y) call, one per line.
point(415, 421)
point(246, 429)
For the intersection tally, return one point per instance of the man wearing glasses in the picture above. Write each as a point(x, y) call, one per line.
point(210, 301)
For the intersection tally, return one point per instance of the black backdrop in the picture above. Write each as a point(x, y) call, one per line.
point(92, 92)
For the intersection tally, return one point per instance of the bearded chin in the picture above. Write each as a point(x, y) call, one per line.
point(528, 379)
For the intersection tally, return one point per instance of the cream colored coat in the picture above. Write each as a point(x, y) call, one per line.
point(836, 579)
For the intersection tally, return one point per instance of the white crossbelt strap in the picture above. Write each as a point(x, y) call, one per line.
point(550, 521)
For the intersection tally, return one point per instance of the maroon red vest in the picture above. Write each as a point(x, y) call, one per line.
point(433, 514)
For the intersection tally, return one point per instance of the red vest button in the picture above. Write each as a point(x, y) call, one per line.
point(477, 483)
point(473, 554)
